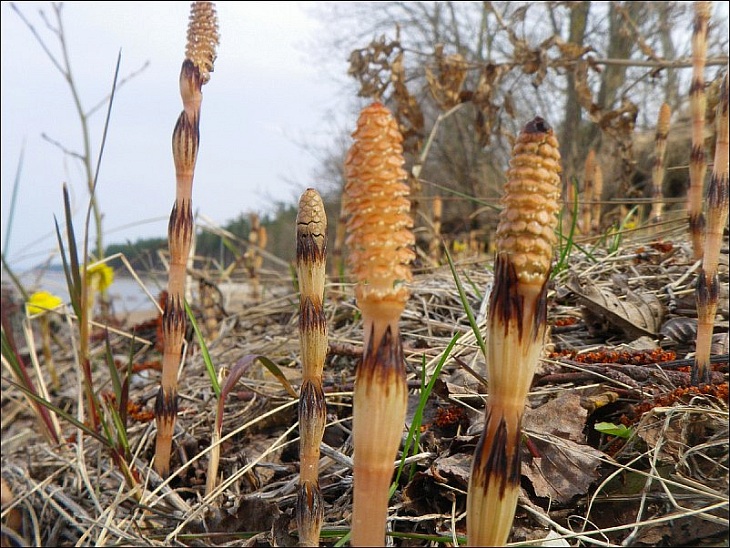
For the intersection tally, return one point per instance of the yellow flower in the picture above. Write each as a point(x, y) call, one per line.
point(40, 301)
point(100, 275)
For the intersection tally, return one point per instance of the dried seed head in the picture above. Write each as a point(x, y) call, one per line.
point(531, 201)
point(202, 38)
point(379, 236)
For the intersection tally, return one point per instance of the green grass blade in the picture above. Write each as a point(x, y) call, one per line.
point(13, 199)
point(209, 367)
point(465, 303)
point(415, 429)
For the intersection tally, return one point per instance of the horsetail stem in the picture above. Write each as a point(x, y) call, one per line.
point(708, 287)
point(596, 220)
point(589, 178)
point(202, 40)
point(516, 328)
point(311, 259)
point(658, 169)
point(698, 102)
point(379, 241)
point(434, 245)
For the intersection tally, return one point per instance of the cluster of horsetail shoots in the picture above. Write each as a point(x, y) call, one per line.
point(698, 105)
point(708, 289)
point(379, 241)
point(658, 169)
point(311, 259)
point(516, 328)
point(200, 53)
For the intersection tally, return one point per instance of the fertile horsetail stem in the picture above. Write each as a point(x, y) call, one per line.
point(698, 103)
point(311, 258)
point(516, 327)
point(199, 57)
point(379, 241)
point(708, 287)
point(589, 179)
point(658, 169)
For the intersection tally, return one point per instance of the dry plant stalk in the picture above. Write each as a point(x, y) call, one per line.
point(708, 290)
point(658, 169)
point(698, 103)
point(379, 241)
point(589, 178)
point(311, 259)
point(257, 239)
point(206, 292)
point(596, 219)
point(434, 246)
point(516, 328)
point(200, 53)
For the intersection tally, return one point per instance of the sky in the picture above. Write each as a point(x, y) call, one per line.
point(265, 98)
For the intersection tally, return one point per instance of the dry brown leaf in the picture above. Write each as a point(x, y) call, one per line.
point(566, 466)
point(637, 315)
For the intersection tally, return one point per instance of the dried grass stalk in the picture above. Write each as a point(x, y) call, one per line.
point(200, 54)
point(698, 102)
point(708, 290)
point(516, 327)
point(311, 259)
point(379, 241)
point(658, 170)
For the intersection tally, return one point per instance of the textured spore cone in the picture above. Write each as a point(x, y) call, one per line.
point(526, 230)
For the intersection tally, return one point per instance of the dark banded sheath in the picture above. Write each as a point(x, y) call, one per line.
point(202, 40)
point(311, 237)
point(516, 327)
point(708, 290)
point(379, 241)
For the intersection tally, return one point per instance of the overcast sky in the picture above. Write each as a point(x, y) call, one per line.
point(265, 97)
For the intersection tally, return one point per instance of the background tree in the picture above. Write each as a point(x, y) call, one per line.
point(598, 72)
